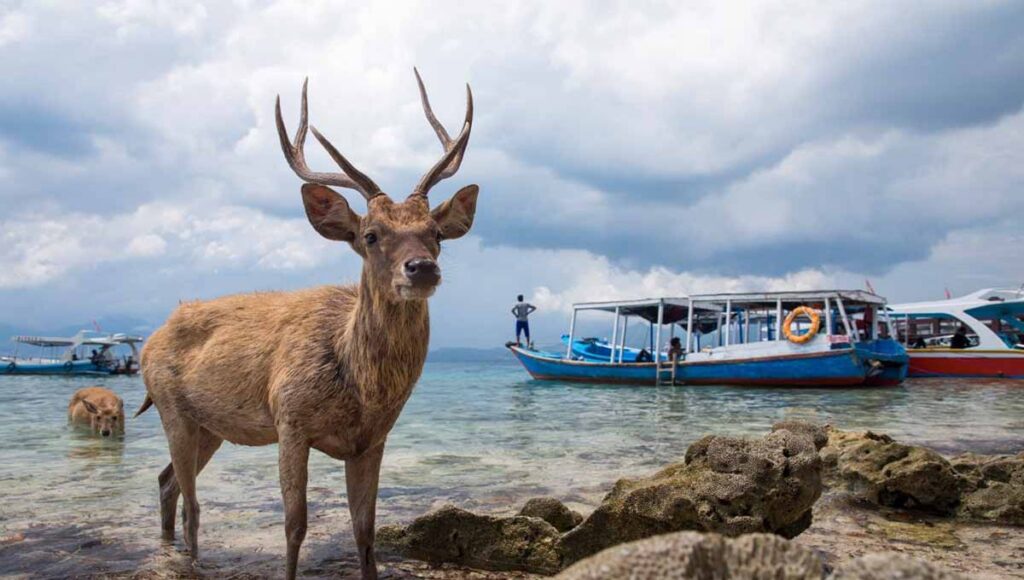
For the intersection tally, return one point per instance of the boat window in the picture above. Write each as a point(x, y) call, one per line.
point(932, 330)
point(1009, 329)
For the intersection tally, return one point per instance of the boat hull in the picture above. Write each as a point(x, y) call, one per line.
point(74, 368)
point(1008, 364)
point(841, 367)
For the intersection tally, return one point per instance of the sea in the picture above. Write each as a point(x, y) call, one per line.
point(481, 435)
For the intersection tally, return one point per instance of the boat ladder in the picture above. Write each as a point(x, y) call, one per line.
point(669, 368)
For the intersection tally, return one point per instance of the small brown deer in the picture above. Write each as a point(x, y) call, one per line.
point(327, 368)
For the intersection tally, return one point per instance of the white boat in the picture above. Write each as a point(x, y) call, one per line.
point(994, 345)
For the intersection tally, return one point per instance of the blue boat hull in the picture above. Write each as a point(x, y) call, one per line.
point(80, 367)
point(838, 367)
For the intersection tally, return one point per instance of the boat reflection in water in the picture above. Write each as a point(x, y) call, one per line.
point(813, 338)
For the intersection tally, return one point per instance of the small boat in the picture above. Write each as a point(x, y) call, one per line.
point(767, 338)
point(995, 334)
point(102, 358)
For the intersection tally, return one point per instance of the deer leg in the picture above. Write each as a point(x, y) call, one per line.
point(169, 491)
point(168, 501)
point(183, 441)
point(361, 476)
point(293, 457)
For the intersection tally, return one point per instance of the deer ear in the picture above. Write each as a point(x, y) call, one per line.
point(455, 216)
point(90, 407)
point(329, 213)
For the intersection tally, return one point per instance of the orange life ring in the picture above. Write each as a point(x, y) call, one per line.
point(787, 326)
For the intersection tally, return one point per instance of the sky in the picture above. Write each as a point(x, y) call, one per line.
point(623, 149)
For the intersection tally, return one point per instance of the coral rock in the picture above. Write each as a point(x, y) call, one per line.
point(889, 566)
point(492, 543)
point(726, 485)
point(706, 556)
point(892, 474)
point(553, 512)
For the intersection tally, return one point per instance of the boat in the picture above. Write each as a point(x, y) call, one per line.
point(767, 338)
point(85, 354)
point(995, 334)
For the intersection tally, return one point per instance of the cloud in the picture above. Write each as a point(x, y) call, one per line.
point(38, 248)
point(662, 144)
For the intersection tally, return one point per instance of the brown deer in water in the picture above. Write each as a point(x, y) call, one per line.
point(327, 368)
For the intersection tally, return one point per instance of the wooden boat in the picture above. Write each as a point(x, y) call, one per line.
point(736, 339)
point(994, 331)
point(101, 358)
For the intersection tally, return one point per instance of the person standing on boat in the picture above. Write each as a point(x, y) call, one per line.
point(522, 311)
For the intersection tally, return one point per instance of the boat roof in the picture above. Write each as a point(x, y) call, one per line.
point(676, 307)
point(989, 298)
point(83, 338)
point(848, 297)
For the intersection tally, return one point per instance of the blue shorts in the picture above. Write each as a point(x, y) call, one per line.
point(523, 326)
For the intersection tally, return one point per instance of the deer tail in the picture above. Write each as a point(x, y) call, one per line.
point(146, 404)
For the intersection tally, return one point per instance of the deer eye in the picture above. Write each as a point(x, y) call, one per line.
point(371, 238)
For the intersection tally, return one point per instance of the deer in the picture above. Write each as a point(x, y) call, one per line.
point(325, 368)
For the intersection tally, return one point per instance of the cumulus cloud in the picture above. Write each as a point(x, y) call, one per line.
point(37, 248)
point(660, 146)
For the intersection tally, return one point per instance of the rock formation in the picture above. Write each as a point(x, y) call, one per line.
point(705, 556)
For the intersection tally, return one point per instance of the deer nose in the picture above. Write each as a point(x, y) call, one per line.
point(105, 432)
point(422, 272)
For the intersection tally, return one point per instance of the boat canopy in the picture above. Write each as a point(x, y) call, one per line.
point(849, 297)
point(676, 309)
point(81, 339)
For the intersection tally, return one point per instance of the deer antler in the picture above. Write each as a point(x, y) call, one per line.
point(453, 149)
point(352, 178)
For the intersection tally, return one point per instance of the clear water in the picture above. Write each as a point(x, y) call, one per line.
point(481, 436)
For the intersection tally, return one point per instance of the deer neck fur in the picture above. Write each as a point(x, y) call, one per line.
point(384, 345)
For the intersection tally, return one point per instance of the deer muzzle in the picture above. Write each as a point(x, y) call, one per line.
point(422, 273)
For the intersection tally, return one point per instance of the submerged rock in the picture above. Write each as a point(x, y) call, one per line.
point(706, 556)
point(492, 543)
point(892, 474)
point(994, 487)
point(553, 512)
point(726, 485)
point(887, 566)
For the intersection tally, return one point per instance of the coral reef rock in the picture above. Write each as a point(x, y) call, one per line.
point(889, 566)
point(553, 512)
point(705, 556)
point(994, 487)
point(487, 542)
point(726, 485)
point(817, 433)
point(892, 474)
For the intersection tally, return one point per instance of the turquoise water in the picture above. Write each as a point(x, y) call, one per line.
point(481, 436)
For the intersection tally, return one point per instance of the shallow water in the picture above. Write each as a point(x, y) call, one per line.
point(481, 436)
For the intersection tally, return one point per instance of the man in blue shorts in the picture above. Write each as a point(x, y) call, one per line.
point(522, 311)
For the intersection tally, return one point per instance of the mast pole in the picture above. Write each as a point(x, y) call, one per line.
point(572, 329)
point(689, 327)
point(778, 319)
point(615, 334)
